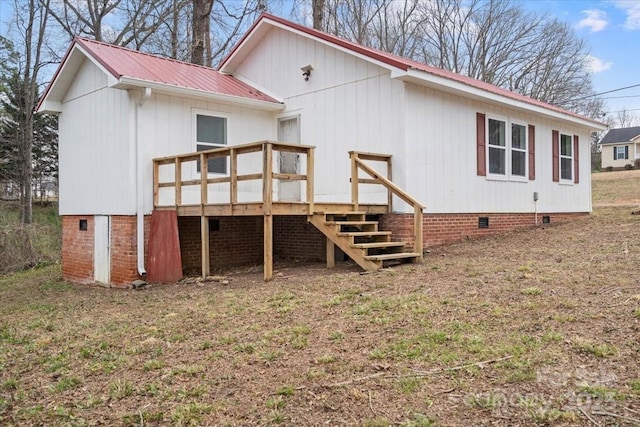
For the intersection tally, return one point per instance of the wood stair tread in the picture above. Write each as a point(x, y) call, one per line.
point(375, 245)
point(351, 222)
point(342, 213)
point(386, 257)
point(363, 233)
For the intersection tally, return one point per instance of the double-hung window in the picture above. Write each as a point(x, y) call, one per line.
point(211, 132)
point(507, 149)
point(566, 157)
point(620, 152)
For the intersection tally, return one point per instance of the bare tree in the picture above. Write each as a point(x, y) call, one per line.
point(625, 119)
point(30, 33)
point(122, 22)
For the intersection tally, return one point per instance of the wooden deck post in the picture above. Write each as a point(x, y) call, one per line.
point(178, 178)
point(310, 177)
point(417, 229)
point(204, 240)
point(389, 193)
point(354, 180)
point(156, 184)
point(268, 247)
point(331, 254)
point(267, 199)
point(234, 177)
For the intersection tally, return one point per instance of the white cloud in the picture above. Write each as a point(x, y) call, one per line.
point(632, 9)
point(595, 20)
point(597, 65)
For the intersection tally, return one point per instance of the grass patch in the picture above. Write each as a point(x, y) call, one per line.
point(483, 330)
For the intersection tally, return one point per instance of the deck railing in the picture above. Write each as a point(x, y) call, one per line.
point(358, 163)
point(232, 154)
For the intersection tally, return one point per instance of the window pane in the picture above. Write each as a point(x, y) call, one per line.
point(518, 163)
point(216, 165)
point(565, 145)
point(565, 168)
point(519, 137)
point(497, 160)
point(497, 132)
point(211, 129)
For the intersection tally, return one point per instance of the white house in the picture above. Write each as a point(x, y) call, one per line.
point(478, 158)
point(620, 148)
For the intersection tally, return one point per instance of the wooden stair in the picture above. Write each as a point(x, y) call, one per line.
point(361, 240)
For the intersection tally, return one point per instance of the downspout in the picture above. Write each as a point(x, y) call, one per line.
point(140, 187)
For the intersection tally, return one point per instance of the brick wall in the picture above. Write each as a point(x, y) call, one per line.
point(441, 229)
point(238, 241)
point(77, 249)
point(124, 265)
point(295, 237)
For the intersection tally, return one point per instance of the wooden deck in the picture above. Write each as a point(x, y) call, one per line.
point(171, 188)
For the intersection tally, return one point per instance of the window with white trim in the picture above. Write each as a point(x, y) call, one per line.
point(566, 157)
point(620, 152)
point(507, 148)
point(211, 132)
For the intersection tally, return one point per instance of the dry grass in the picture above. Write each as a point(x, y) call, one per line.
point(620, 188)
point(552, 312)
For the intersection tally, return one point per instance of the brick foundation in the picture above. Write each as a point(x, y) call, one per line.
point(442, 229)
point(77, 249)
point(239, 241)
point(295, 237)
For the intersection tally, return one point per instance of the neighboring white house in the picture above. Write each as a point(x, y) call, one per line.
point(620, 147)
point(465, 149)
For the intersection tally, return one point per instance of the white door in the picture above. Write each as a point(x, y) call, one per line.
point(289, 131)
point(101, 249)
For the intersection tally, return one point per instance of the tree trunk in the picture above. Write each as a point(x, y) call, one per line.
point(318, 14)
point(201, 21)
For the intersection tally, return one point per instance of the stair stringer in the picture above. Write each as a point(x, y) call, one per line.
point(344, 243)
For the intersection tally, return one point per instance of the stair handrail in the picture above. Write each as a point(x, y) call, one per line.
point(358, 163)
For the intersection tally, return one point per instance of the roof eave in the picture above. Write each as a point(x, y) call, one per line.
point(129, 82)
point(451, 86)
point(69, 65)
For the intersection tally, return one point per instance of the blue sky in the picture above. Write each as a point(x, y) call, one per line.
point(612, 30)
point(610, 27)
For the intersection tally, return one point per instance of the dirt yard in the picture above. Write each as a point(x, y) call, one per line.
point(537, 327)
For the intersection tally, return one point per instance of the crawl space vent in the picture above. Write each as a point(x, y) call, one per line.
point(483, 222)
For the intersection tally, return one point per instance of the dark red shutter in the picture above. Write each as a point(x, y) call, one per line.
point(555, 147)
point(576, 159)
point(532, 152)
point(481, 153)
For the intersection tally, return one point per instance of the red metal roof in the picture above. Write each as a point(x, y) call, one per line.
point(405, 64)
point(123, 62)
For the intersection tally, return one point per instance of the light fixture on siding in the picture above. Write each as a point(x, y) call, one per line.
point(306, 72)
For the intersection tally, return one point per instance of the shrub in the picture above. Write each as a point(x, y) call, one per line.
point(24, 246)
point(628, 166)
point(636, 164)
point(609, 168)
